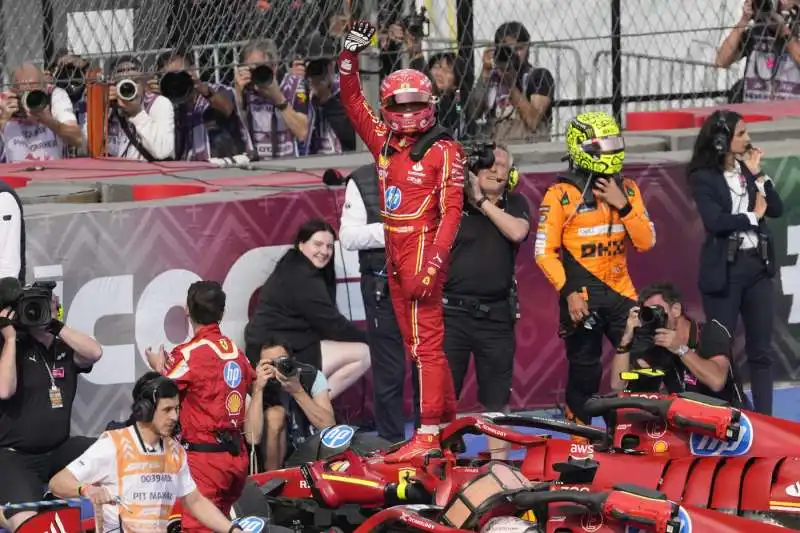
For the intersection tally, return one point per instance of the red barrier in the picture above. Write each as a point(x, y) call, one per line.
point(15, 182)
point(748, 118)
point(160, 191)
point(658, 120)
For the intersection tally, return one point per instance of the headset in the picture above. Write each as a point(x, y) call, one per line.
point(513, 178)
point(721, 139)
point(144, 405)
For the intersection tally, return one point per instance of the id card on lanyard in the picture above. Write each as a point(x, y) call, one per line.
point(56, 399)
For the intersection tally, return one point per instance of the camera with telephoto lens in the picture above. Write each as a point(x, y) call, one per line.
point(317, 68)
point(286, 365)
point(651, 318)
point(507, 58)
point(480, 155)
point(31, 304)
point(32, 102)
point(72, 79)
point(417, 24)
point(177, 87)
point(262, 75)
point(127, 90)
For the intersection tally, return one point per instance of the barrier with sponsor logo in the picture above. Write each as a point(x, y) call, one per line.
point(123, 276)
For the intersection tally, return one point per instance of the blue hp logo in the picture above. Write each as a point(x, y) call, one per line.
point(708, 446)
point(232, 374)
point(683, 517)
point(251, 524)
point(337, 436)
point(392, 198)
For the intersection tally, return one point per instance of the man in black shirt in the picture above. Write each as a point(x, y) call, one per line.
point(693, 357)
point(479, 296)
point(39, 370)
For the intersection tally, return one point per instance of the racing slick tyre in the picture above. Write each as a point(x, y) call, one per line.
point(252, 502)
point(316, 448)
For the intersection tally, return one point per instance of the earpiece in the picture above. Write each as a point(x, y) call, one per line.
point(722, 135)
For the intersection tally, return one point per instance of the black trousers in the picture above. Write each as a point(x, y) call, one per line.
point(25, 476)
point(389, 360)
point(492, 342)
point(584, 346)
point(751, 294)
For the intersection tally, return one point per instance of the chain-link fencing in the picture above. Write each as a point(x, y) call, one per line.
point(665, 58)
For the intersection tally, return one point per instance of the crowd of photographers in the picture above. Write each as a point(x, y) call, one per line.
point(273, 105)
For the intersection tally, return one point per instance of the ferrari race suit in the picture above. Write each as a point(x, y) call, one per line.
point(421, 207)
point(591, 240)
point(214, 378)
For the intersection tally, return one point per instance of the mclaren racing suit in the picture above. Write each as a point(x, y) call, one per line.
point(421, 204)
point(592, 242)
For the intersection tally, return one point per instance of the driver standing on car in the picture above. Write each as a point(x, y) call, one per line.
point(585, 220)
point(214, 377)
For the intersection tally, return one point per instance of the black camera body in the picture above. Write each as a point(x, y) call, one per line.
point(177, 86)
point(262, 75)
point(286, 365)
point(651, 317)
point(31, 303)
point(317, 68)
point(417, 24)
point(480, 155)
point(72, 79)
point(506, 56)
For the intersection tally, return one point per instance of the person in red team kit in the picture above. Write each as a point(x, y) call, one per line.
point(421, 174)
point(214, 378)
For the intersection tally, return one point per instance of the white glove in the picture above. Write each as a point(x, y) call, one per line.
point(359, 36)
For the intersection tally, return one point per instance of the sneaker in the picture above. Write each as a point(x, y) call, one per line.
point(417, 447)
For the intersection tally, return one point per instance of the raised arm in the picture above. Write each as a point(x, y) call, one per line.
point(366, 123)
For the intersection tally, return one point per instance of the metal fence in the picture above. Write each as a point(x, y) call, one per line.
point(666, 47)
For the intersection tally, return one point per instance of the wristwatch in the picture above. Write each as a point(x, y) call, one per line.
point(281, 107)
point(682, 350)
point(479, 203)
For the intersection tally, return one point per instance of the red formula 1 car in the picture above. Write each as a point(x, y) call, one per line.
point(692, 425)
point(500, 499)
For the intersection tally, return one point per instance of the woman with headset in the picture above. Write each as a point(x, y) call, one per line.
point(134, 475)
point(480, 308)
point(737, 260)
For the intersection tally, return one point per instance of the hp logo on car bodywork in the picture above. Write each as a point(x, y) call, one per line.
point(705, 446)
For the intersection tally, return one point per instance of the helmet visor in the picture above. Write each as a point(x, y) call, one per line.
point(605, 145)
point(407, 97)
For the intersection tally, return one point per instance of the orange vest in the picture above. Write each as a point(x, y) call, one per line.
point(147, 482)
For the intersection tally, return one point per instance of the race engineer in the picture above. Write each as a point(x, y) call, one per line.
point(588, 215)
point(421, 173)
point(136, 473)
point(214, 378)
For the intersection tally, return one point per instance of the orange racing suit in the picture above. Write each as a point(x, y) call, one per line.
point(582, 248)
point(421, 204)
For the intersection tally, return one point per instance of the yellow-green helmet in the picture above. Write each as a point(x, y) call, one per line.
point(595, 144)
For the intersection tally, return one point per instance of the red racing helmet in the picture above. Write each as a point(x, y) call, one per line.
point(402, 88)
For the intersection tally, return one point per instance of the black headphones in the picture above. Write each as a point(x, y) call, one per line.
point(722, 136)
point(144, 405)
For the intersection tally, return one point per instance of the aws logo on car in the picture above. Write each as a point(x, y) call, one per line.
point(705, 446)
point(683, 517)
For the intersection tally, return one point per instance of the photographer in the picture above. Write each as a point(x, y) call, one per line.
point(586, 219)
point(693, 357)
point(446, 76)
point(330, 131)
point(275, 114)
point(141, 124)
point(766, 35)
point(36, 121)
point(480, 300)
point(68, 72)
point(39, 366)
point(513, 98)
point(401, 41)
point(206, 124)
point(737, 261)
point(297, 403)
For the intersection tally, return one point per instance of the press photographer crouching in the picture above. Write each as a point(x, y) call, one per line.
point(662, 346)
point(36, 120)
point(40, 361)
point(480, 295)
point(141, 124)
point(297, 403)
point(207, 126)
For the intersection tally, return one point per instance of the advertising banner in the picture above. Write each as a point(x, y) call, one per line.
point(123, 275)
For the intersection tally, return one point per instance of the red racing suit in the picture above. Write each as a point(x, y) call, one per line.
point(421, 206)
point(214, 378)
